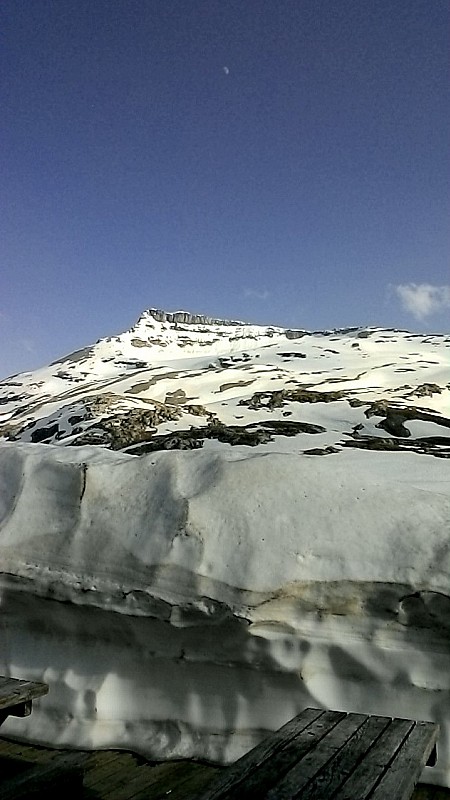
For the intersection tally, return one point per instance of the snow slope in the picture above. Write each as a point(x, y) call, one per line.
point(264, 526)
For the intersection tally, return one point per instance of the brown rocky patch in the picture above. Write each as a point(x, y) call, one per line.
point(280, 397)
point(127, 428)
point(394, 417)
point(250, 435)
point(426, 390)
point(428, 445)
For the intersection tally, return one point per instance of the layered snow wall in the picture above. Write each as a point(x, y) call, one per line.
point(184, 603)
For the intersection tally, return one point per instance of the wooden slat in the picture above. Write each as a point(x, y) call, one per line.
point(13, 685)
point(184, 772)
point(190, 788)
point(340, 766)
point(65, 773)
point(100, 758)
point(368, 772)
point(25, 752)
point(127, 786)
point(408, 764)
point(273, 771)
point(264, 750)
point(160, 787)
point(9, 748)
point(308, 767)
point(138, 781)
point(14, 692)
point(105, 776)
point(275, 767)
point(120, 765)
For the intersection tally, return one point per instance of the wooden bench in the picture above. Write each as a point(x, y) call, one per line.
point(16, 697)
point(65, 773)
point(331, 755)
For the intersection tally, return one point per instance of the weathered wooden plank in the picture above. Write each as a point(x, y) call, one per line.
point(6, 683)
point(146, 786)
point(340, 766)
point(368, 772)
point(137, 781)
point(24, 752)
point(7, 748)
point(404, 771)
point(160, 788)
point(99, 758)
point(61, 774)
point(15, 685)
point(273, 771)
point(14, 692)
point(146, 783)
point(264, 750)
point(119, 765)
point(113, 771)
point(128, 784)
point(308, 767)
point(97, 770)
point(190, 788)
point(109, 762)
point(275, 767)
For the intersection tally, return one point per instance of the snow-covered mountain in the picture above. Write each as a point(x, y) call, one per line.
point(206, 526)
point(177, 380)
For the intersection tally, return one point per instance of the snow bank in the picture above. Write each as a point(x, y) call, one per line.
point(182, 603)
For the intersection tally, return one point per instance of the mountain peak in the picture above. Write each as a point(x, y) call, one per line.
point(186, 317)
point(176, 372)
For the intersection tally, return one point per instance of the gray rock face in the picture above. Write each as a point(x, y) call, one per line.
point(187, 318)
point(290, 334)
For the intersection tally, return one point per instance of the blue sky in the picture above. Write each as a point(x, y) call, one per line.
point(281, 161)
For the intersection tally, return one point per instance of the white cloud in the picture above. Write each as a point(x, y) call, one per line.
point(258, 294)
point(423, 299)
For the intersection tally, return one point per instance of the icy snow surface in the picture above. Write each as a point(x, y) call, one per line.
point(207, 526)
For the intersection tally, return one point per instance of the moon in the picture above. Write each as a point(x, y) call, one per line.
point(226, 70)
